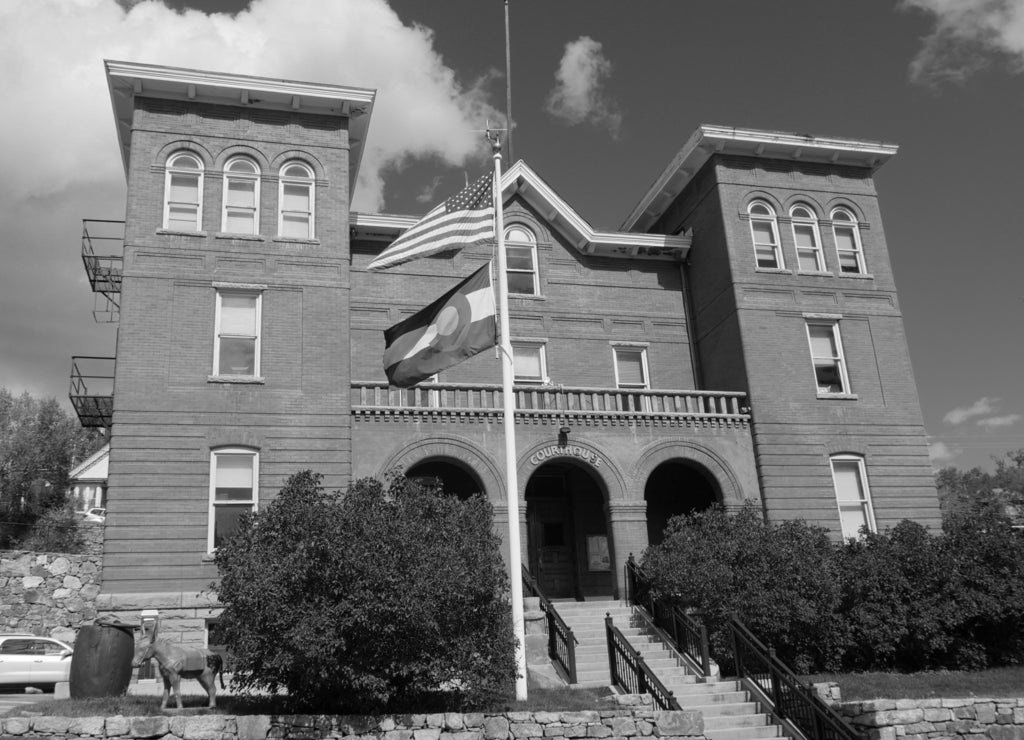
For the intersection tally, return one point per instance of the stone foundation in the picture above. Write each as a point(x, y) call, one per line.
point(932, 719)
point(616, 723)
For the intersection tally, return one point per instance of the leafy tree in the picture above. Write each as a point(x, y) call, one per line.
point(39, 444)
point(777, 578)
point(976, 490)
point(378, 599)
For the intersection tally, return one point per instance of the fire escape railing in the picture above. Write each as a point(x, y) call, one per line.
point(91, 390)
point(103, 258)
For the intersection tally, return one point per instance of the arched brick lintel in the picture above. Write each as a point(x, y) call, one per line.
point(606, 471)
point(455, 449)
point(713, 463)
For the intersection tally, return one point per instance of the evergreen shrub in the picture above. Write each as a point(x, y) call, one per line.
point(378, 599)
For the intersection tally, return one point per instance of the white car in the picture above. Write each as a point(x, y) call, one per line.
point(96, 515)
point(32, 660)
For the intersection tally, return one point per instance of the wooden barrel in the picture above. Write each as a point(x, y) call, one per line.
point(102, 662)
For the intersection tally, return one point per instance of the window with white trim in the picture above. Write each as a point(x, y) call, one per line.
point(234, 491)
point(241, 197)
point(807, 238)
point(521, 260)
point(183, 193)
point(529, 362)
point(631, 367)
point(297, 199)
point(848, 246)
point(852, 495)
point(827, 357)
point(764, 231)
point(236, 346)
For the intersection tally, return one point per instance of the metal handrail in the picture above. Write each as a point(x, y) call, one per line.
point(787, 698)
point(684, 633)
point(561, 640)
point(630, 672)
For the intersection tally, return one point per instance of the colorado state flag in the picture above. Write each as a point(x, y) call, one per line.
point(453, 328)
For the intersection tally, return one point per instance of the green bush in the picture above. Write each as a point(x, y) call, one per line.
point(378, 599)
point(778, 579)
point(56, 530)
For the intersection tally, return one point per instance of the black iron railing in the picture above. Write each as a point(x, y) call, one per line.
point(91, 390)
point(561, 641)
point(684, 633)
point(782, 693)
point(630, 672)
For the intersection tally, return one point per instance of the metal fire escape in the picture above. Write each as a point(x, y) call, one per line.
point(92, 378)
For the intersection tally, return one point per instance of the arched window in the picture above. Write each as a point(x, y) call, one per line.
point(853, 497)
point(848, 246)
point(183, 193)
point(807, 239)
point(764, 231)
point(241, 197)
point(521, 256)
point(296, 200)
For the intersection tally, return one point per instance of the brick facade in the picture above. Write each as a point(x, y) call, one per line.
point(730, 415)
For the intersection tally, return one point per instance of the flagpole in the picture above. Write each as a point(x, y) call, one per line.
point(515, 557)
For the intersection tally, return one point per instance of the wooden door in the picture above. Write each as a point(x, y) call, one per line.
point(551, 544)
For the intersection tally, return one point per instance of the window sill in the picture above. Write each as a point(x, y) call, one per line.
point(295, 240)
point(208, 558)
point(839, 396)
point(173, 232)
point(857, 275)
point(239, 237)
point(774, 270)
point(526, 296)
point(238, 379)
point(818, 273)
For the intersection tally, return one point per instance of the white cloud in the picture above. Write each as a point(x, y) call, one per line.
point(981, 407)
point(994, 422)
point(51, 74)
point(579, 95)
point(968, 35)
point(940, 452)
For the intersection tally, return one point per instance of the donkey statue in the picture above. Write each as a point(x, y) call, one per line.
point(177, 662)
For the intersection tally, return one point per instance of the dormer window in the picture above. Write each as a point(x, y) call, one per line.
point(295, 219)
point(764, 231)
point(848, 246)
point(241, 197)
point(183, 193)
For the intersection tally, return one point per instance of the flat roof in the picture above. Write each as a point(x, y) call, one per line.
point(128, 79)
point(708, 140)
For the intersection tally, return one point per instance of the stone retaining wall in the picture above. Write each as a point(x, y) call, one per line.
point(932, 719)
point(617, 723)
point(52, 594)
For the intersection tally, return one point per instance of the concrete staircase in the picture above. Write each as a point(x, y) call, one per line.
point(729, 713)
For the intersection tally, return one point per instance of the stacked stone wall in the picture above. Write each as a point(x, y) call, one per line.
point(932, 719)
point(52, 594)
point(615, 723)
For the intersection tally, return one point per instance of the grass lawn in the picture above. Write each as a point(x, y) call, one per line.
point(540, 700)
point(993, 683)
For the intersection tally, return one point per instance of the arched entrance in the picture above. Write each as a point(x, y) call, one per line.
point(567, 532)
point(451, 476)
point(677, 487)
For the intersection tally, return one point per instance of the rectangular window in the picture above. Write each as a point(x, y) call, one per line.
point(808, 253)
point(852, 495)
point(182, 202)
point(240, 206)
point(233, 491)
point(522, 269)
point(827, 358)
point(631, 367)
point(529, 362)
point(237, 335)
point(296, 210)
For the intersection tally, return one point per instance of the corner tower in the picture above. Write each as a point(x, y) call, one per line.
point(232, 367)
point(792, 300)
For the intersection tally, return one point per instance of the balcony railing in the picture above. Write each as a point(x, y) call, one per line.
point(103, 257)
point(92, 390)
point(714, 407)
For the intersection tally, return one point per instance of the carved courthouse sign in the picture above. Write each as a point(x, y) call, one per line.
point(553, 451)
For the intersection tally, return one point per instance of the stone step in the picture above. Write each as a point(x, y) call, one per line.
point(745, 733)
point(690, 699)
point(722, 709)
point(735, 721)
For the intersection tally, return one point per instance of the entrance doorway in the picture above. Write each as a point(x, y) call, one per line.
point(450, 476)
point(567, 531)
point(677, 487)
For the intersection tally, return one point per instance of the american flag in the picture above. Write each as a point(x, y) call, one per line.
point(465, 218)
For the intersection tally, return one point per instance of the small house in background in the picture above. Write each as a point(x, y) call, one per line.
point(88, 481)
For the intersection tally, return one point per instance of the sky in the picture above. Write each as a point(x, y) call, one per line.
point(604, 93)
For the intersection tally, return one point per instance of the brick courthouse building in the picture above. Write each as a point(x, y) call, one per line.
point(738, 339)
